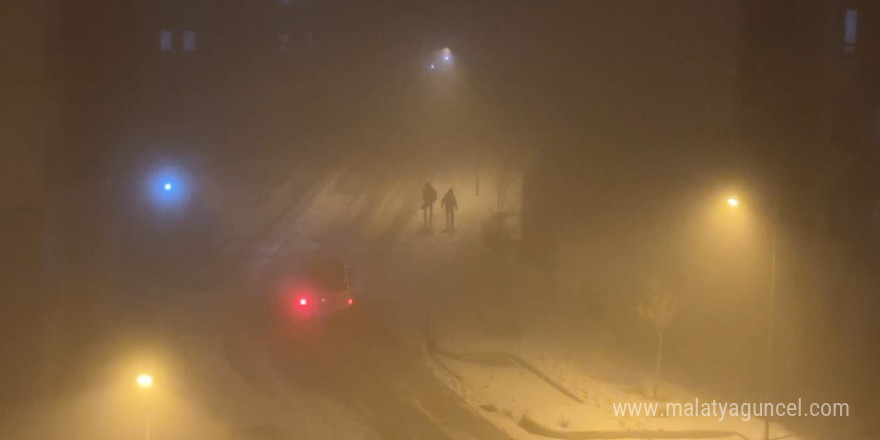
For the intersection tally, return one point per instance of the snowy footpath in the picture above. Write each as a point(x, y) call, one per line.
point(534, 387)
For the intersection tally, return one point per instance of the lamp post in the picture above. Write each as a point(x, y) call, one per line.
point(771, 317)
point(145, 381)
point(771, 320)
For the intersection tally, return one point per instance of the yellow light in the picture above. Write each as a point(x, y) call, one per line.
point(732, 201)
point(145, 381)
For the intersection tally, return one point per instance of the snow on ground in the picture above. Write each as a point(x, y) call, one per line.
point(507, 392)
point(477, 305)
point(377, 221)
point(413, 260)
point(204, 391)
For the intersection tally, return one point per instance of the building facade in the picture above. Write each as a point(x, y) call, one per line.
point(811, 113)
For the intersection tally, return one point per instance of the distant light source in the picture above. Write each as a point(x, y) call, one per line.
point(144, 381)
point(349, 301)
point(732, 201)
point(168, 187)
point(447, 57)
point(432, 67)
point(303, 302)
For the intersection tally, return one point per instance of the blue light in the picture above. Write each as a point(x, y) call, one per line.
point(447, 58)
point(168, 187)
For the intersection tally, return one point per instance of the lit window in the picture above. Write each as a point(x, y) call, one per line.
point(850, 30)
point(189, 41)
point(166, 40)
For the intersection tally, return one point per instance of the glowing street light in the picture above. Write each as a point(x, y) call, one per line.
point(771, 317)
point(144, 381)
point(446, 54)
point(442, 60)
point(168, 187)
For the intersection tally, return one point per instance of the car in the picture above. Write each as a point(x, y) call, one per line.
point(318, 290)
point(304, 300)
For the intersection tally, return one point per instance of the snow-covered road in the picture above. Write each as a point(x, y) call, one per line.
point(218, 376)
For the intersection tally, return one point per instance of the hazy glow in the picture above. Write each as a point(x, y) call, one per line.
point(733, 201)
point(441, 60)
point(145, 380)
point(168, 187)
point(303, 302)
point(350, 301)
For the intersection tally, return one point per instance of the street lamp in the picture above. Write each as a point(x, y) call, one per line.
point(168, 187)
point(771, 317)
point(446, 55)
point(442, 59)
point(145, 381)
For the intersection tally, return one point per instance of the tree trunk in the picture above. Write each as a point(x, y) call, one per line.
point(657, 366)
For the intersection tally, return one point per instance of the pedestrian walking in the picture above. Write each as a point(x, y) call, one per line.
point(450, 205)
point(429, 196)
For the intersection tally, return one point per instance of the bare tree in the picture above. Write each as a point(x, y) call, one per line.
point(657, 307)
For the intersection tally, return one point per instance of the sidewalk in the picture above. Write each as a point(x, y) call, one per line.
point(536, 384)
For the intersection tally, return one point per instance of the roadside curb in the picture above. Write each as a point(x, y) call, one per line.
point(529, 424)
point(532, 426)
point(496, 358)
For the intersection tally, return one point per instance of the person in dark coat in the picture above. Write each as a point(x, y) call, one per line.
point(429, 196)
point(450, 205)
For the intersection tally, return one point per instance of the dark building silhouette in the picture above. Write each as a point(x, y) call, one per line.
point(811, 115)
point(30, 123)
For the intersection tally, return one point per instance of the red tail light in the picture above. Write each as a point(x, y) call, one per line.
point(303, 302)
point(349, 301)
